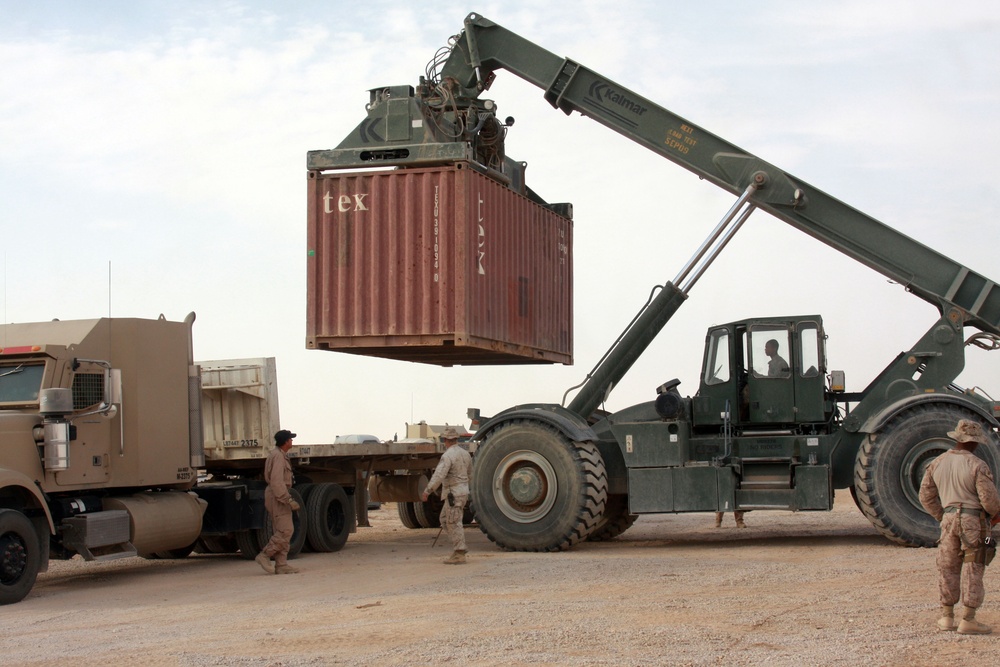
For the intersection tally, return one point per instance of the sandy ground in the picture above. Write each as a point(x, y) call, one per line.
point(791, 589)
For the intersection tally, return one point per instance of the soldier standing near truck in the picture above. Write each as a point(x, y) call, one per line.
point(280, 505)
point(452, 475)
point(958, 490)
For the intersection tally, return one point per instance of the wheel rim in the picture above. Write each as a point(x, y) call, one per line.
point(915, 463)
point(13, 558)
point(525, 486)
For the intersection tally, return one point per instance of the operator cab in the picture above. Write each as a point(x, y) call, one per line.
point(763, 373)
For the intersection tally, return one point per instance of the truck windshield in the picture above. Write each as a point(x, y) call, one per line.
point(20, 383)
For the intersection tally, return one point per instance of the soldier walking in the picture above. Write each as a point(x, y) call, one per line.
point(958, 490)
point(280, 505)
point(452, 475)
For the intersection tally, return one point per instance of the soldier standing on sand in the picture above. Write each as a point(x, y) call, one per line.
point(738, 515)
point(452, 474)
point(958, 490)
point(280, 505)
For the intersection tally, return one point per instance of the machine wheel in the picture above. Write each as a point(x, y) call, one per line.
point(408, 514)
point(429, 513)
point(299, 528)
point(330, 515)
point(536, 490)
point(890, 467)
point(615, 520)
point(19, 556)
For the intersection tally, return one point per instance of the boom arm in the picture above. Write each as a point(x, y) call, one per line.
point(485, 47)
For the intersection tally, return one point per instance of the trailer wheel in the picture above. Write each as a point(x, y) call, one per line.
point(248, 543)
point(173, 554)
point(891, 464)
point(407, 515)
point(19, 556)
point(536, 490)
point(615, 520)
point(305, 489)
point(299, 528)
point(429, 513)
point(330, 515)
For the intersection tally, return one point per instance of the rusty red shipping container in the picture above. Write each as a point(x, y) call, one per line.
point(439, 265)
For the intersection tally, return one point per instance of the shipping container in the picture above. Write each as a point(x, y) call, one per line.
point(439, 265)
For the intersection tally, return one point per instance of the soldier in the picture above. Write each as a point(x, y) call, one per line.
point(280, 505)
point(738, 515)
point(452, 474)
point(958, 490)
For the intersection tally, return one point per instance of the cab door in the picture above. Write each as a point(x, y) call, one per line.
point(770, 382)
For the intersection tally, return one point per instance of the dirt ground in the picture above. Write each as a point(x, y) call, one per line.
point(791, 589)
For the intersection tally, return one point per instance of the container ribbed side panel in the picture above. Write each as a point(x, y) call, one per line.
point(440, 265)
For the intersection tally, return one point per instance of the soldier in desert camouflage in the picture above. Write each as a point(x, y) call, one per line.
point(452, 475)
point(958, 490)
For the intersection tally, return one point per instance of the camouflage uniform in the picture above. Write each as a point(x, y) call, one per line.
point(958, 490)
point(277, 500)
point(452, 475)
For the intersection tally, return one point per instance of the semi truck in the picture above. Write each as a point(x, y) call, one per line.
point(760, 433)
point(114, 442)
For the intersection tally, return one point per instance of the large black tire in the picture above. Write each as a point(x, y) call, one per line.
point(216, 544)
point(429, 513)
point(890, 467)
point(407, 515)
point(299, 530)
point(248, 543)
point(20, 557)
point(615, 520)
point(536, 490)
point(330, 514)
point(305, 489)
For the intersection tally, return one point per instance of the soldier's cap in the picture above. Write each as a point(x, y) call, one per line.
point(449, 434)
point(968, 431)
point(283, 436)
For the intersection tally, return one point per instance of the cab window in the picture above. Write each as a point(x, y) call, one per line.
point(769, 351)
point(20, 383)
point(809, 364)
point(717, 360)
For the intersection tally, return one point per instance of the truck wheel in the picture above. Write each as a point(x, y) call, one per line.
point(299, 527)
point(408, 514)
point(172, 554)
point(19, 556)
point(535, 490)
point(304, 490)
point(890, 467)
point(429, 514)
point(615, 520)
point(247, 543)
point(330, 515)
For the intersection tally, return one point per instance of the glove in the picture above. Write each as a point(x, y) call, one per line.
point(294, 505)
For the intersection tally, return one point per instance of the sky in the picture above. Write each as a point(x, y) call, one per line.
point(152, 161)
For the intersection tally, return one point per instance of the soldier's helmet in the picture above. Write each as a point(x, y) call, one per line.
point(968, 431)
point(449, 434)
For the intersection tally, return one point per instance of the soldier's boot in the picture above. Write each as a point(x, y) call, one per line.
point(947, 620)
point(718, 519)
point(740, 523)
point(265, 562)
point(970, 626)
point(286, 569)
point(456, 558)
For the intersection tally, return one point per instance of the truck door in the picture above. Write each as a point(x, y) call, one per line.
point(770, 384)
